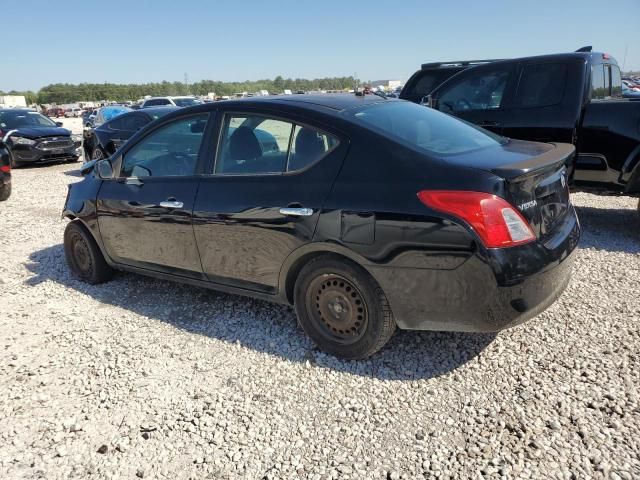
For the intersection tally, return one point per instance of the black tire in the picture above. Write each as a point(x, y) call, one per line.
point(98, 154)
point(5, 192)
point(83, 255)
point(342, 308)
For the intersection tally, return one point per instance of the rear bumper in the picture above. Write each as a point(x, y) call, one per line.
point(482, 291)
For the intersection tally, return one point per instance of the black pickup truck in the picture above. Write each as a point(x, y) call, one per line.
point(571, 97)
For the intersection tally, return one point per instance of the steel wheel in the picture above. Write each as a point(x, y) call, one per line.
point(84, 256)
point(97, 154)
point(338, 308)
point(80, 255)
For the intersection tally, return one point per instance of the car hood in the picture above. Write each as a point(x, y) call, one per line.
point(38, 132)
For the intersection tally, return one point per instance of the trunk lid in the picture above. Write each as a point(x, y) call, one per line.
point(536, 180)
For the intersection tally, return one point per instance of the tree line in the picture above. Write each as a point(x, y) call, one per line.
point(62, 93)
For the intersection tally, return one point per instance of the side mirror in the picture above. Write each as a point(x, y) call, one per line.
point(58, 124)
point(104, 169)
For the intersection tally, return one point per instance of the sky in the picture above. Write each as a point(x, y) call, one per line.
point(139, 41)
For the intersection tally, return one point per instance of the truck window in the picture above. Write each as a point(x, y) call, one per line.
point(541, 85)
point(597, 82)
point(607, 81)
point(616, 82)
point(476, 91)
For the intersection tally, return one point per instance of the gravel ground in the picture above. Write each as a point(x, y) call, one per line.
point(140, 378)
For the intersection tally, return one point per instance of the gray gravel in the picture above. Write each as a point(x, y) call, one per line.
point(141, 378)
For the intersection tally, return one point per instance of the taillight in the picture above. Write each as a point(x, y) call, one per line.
point(5, 168)
point(497, 223)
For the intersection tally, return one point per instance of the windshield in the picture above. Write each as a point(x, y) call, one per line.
point(425, 128)
point(186, 102)
point(21, 119)
point(425, 82)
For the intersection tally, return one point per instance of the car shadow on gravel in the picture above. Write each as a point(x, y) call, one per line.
point(259, 325)
point(611, 229)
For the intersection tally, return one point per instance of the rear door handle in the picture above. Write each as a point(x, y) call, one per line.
point(296, 212)
point(171, 204)
point(489, 124)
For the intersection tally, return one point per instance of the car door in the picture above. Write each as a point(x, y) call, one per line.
point(480, 95)
point(264, 196)
point(544, 109)
point(145, 215)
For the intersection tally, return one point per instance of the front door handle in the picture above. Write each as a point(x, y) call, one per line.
point(171, 204)
point(489, 124)
point(297, 212)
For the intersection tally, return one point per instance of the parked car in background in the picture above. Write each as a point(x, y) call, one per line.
point(104, 140)
point(629, 93)
point(630, 85)
point(430, 75)
point(55, 112)
point(363, 213)
point(5, 171)
point(88, 117)
point(33, 138)
point(95, 120)
point(73, 113)
point(104, 114)
point(186, 101)
point(570, 97)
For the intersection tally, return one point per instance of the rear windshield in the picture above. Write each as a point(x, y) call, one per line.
point(425, 128)
point(22, 119)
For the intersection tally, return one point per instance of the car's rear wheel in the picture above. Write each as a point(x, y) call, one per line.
point(342, 308)
point(84, 256)
point(5, 192)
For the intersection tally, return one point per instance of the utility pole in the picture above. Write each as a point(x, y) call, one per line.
point(186, 82)
point(624, 60)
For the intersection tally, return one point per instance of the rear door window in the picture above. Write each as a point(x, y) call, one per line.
point(256, 144)
point(541, 85)
point(132, 123)
point(482, 90)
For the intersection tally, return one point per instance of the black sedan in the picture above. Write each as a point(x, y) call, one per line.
point(33, 138)
point(363, 213)
point(104, 140)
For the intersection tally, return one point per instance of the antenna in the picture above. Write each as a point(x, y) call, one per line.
point(624, 60)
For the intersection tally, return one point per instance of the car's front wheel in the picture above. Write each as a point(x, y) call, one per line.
point(84, 256)
point(98, 154)
point(342, 308)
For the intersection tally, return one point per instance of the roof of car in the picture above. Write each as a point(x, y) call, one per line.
point(157, 110)
point(333, 101)
point(17, 110)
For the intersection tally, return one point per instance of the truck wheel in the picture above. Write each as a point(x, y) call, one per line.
point(84, 256)
point(342, 308)
point(5, 192)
